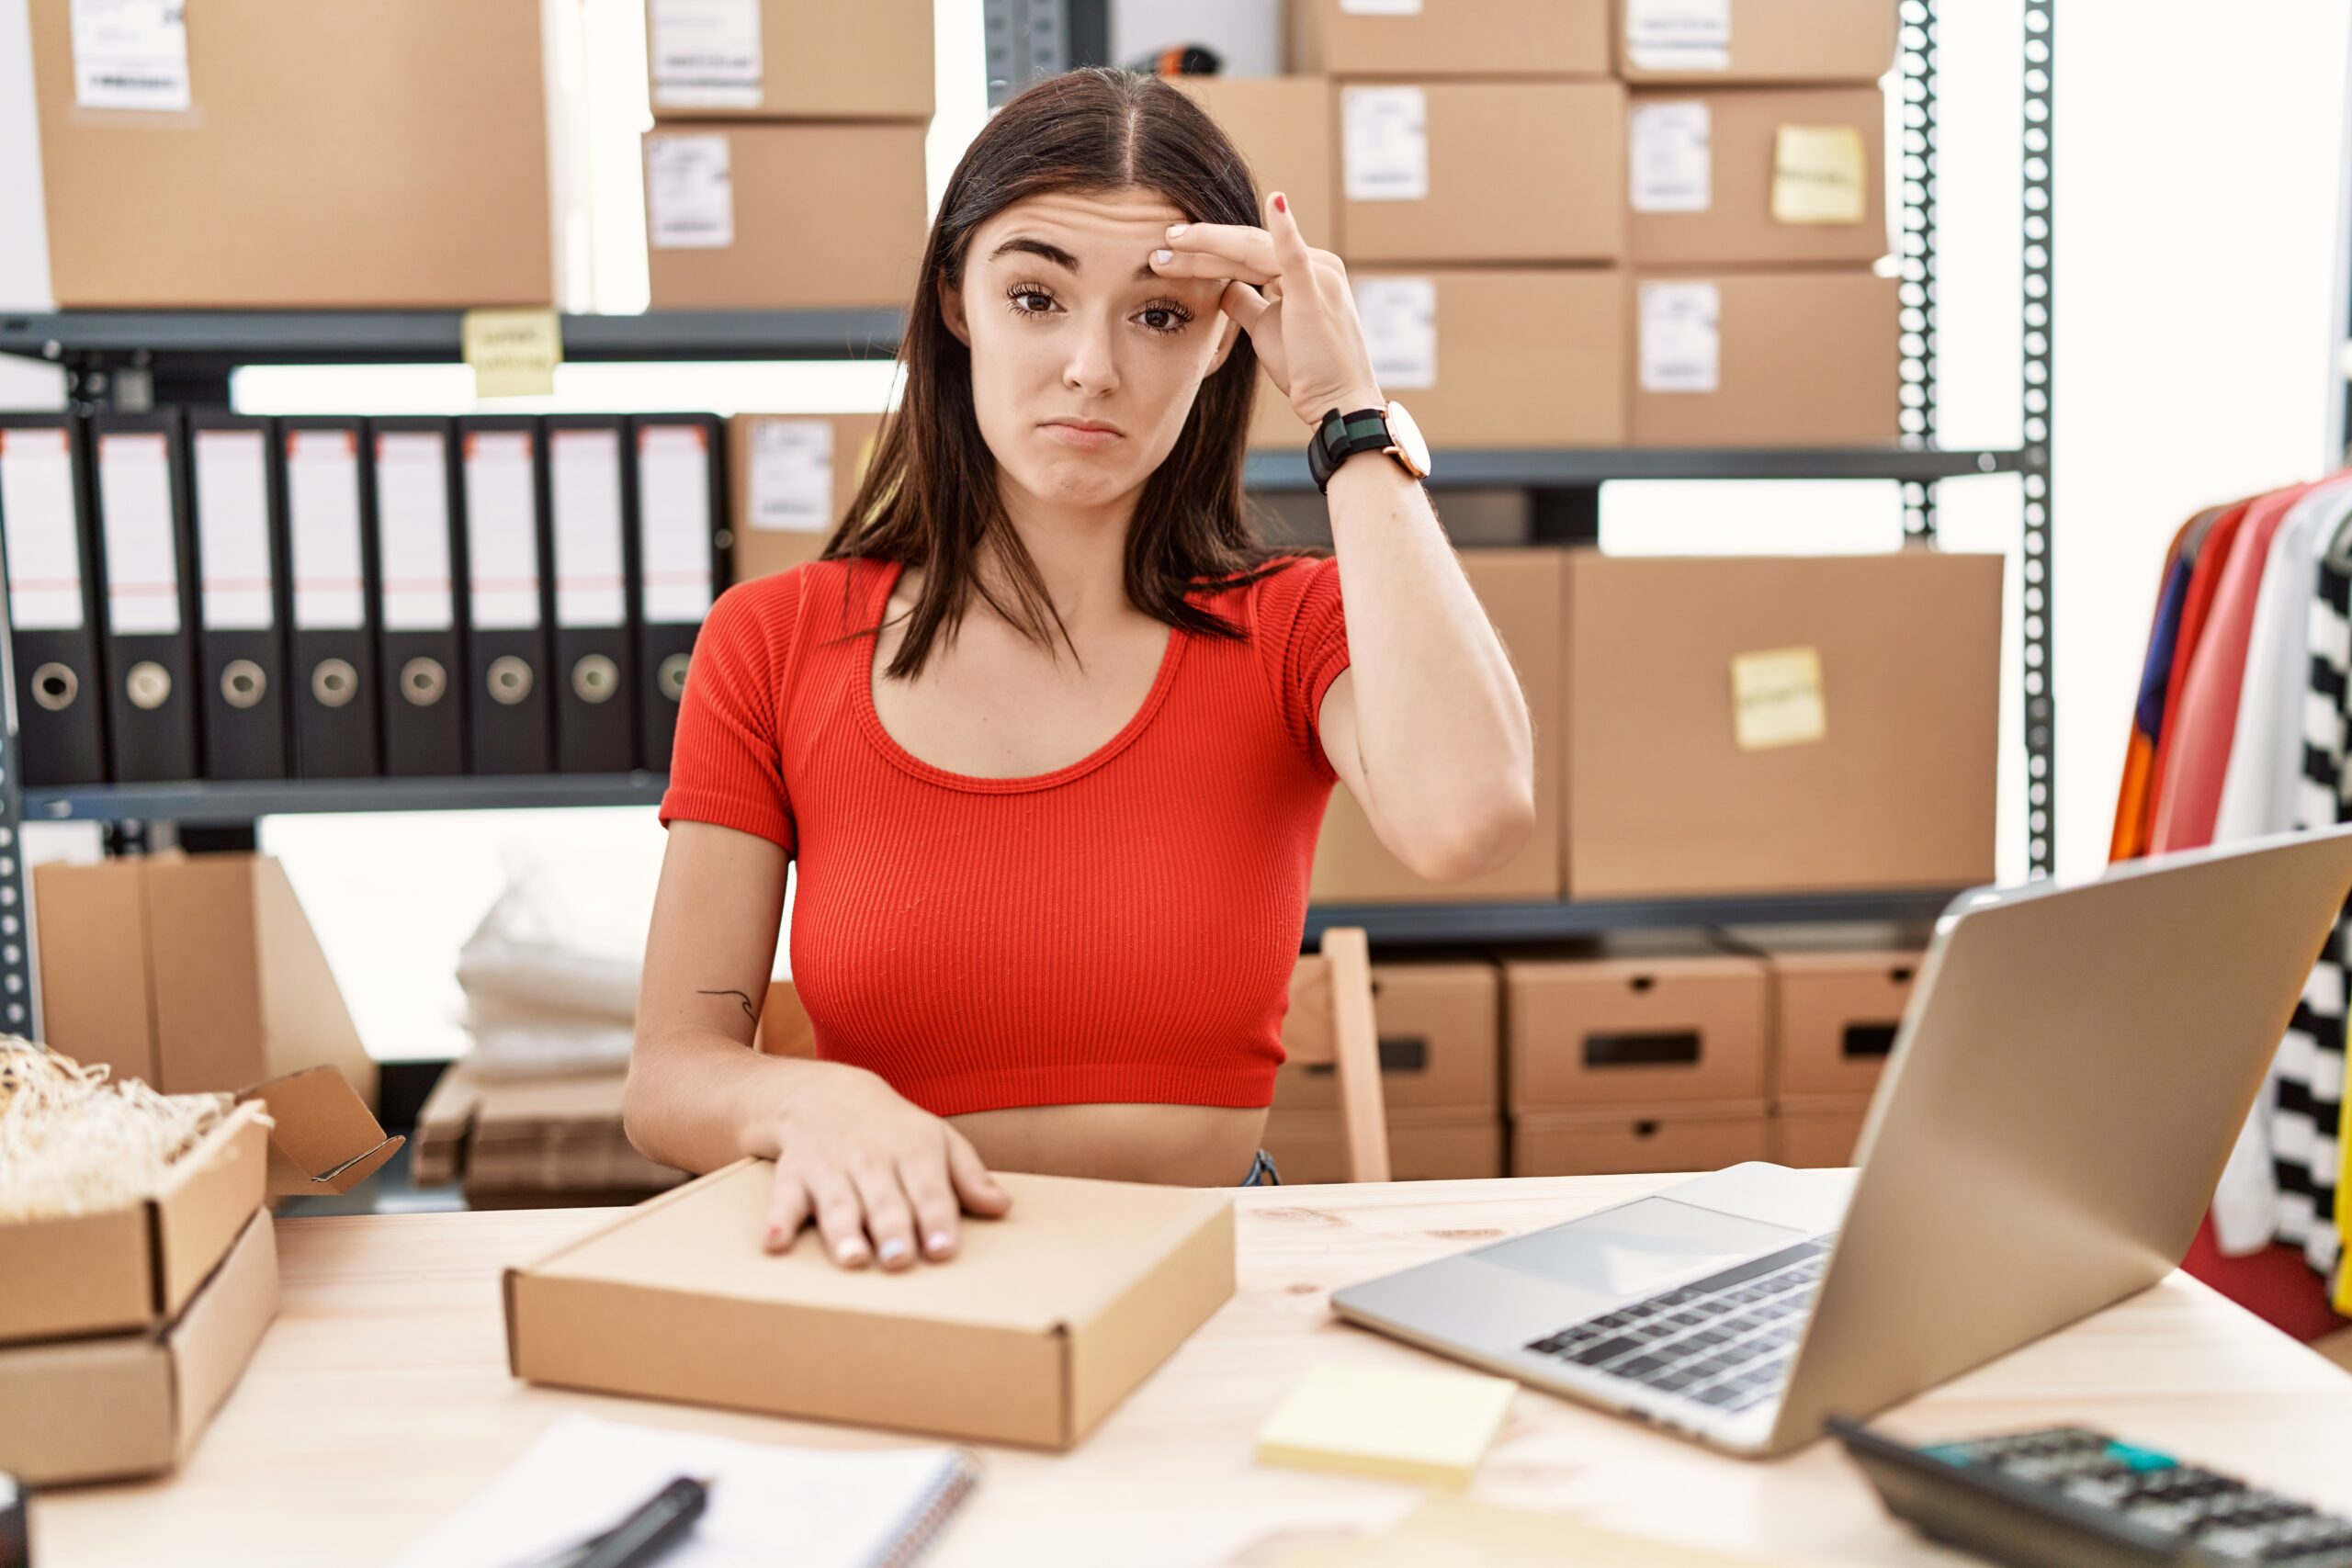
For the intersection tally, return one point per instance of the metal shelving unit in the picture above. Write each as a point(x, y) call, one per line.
point(135, 359)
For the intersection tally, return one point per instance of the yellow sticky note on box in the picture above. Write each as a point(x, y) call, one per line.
point(1404, 1423)
point(514, 352)
point(1817, 175)
point(1776, 698)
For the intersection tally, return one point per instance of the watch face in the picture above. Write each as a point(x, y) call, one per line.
point(1408, 437)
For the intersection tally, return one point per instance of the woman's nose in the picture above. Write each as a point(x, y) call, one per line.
point(1091, 366)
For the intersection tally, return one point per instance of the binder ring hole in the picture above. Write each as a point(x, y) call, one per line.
point(55, 687)
point(148, 685)
point(510, 679)
point(595, 678)
point(672, 676)
point(422, 682)
point(334, 683)
point(243, 683)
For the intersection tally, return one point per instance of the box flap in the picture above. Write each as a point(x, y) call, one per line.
point(325, 1139)
point(215, 1337)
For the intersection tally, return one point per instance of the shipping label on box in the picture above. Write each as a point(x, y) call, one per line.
point(1399, 317)
point(1682, 337)
point(1384, 143)
point(131, 54)
point(706, 53)
point(1669, 163)
point(792, 476)
point(1679, 34)
point(690, 194)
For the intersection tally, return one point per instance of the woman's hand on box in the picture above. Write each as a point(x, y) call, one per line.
point(881, 1178)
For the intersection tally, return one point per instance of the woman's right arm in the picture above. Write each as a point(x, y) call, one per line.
point(875, 1172)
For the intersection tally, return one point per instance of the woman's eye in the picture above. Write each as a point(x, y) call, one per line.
point(1022, 296)
point(1168, 318)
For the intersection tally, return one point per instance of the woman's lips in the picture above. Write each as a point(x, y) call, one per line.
point(1083, 439)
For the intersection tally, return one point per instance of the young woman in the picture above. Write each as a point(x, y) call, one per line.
point(1048, 909)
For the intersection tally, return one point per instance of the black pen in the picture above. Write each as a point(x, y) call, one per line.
point(650, 1531)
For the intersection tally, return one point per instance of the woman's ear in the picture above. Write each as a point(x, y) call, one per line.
point(951, 310)
point(1224, 344)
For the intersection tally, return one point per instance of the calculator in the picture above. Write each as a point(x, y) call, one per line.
point(2072, 1497)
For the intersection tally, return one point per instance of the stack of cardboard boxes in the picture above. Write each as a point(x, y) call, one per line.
point(785, 169)
point(1580, 224)
point(533, 1143)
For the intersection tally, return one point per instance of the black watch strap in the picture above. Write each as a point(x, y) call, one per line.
point(1341, 437)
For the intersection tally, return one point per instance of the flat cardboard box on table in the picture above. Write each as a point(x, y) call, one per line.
point(1522, 591)
point(1451, 38)
point(818, 59)
point(1046, 1319)
point(1638, 1025)
point(1709, 182)
point(1697, 1135)
point(1769, 41)
point(369, 153)
point(1790, 359)
point(131, 1404)
point(781, 520)
point(818, 217)
point(1484, 139)
point(1884, 778)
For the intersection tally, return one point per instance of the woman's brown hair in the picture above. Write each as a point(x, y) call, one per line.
point(928, 497)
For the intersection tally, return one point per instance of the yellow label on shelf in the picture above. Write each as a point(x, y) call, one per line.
point(1776, 698)
point(1817, 175)
point(514, 352)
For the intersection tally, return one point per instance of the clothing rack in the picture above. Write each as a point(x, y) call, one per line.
point(131, 360)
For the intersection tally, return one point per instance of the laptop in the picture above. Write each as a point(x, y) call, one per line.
point(2065, 1089)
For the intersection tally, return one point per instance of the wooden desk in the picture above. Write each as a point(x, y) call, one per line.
point(380, 1401)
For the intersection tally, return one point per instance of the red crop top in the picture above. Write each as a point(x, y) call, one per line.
point(1122, 929)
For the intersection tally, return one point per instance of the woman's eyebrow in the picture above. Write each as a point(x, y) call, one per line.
point(1058, 256)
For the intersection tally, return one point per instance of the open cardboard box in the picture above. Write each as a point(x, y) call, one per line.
point(1043, 1321)
point(136, 1267)
point(130, 1405)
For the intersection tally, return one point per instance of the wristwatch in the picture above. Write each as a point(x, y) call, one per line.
point(1388, 429)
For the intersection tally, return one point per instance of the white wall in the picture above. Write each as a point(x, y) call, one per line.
point(2198, 160)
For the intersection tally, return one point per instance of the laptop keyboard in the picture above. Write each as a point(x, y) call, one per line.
point(1723, 1341)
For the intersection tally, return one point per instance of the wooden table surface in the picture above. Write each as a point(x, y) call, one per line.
point(380, 1401)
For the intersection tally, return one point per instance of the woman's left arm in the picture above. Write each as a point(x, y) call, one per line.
point(1426, 726)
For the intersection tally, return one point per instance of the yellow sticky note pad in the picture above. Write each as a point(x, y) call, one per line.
point(1776, 698)
point(514, 352)
point(1817, 175)
point(1407, 1424)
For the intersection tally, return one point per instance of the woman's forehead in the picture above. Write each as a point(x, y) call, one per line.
point(1120, 225)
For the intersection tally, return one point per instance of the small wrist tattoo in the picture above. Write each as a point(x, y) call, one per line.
point(745, 1002)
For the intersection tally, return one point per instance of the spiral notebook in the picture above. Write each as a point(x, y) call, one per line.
point(811, 1507)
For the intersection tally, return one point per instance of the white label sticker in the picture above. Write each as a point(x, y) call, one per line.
point(1682, 337)
point(1679, 34)
point(674, 513)
point(1385, 132)
point(690, 196)
point(1381, 7)
point(323, 527)
point(1399, 316)
point(43, 537)
point(233, 572)
point(585, 494)
point(131, 54)
point(135, 509)
point(1669, 165)
point(502, 530)
point(791, 475)
point(413, 530)
point(707, 54)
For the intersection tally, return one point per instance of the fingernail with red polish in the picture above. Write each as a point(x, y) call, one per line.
point(1282, 203)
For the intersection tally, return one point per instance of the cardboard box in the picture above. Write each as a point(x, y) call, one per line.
point(1489, 356)
point(1310, 1146)
point(792, 477)
point(1640, 1028)
point(1451, 38)
point(552, 1140)
point(415, 172)
point(1521, 591)
point(135, 1403)
point(1437, 171)
point(1284, 128)
point(1441, 1042)
point(1045, 1320)
point(1755, 40)
point(784, 217)
point(1863, 753)
point(136, 1267)
point(1679, 1136)
point(1765, 359)
point(196, 972)
point(798, 59)
point(1819, 1131)
point(1790, 176)
point(1835, 1018)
